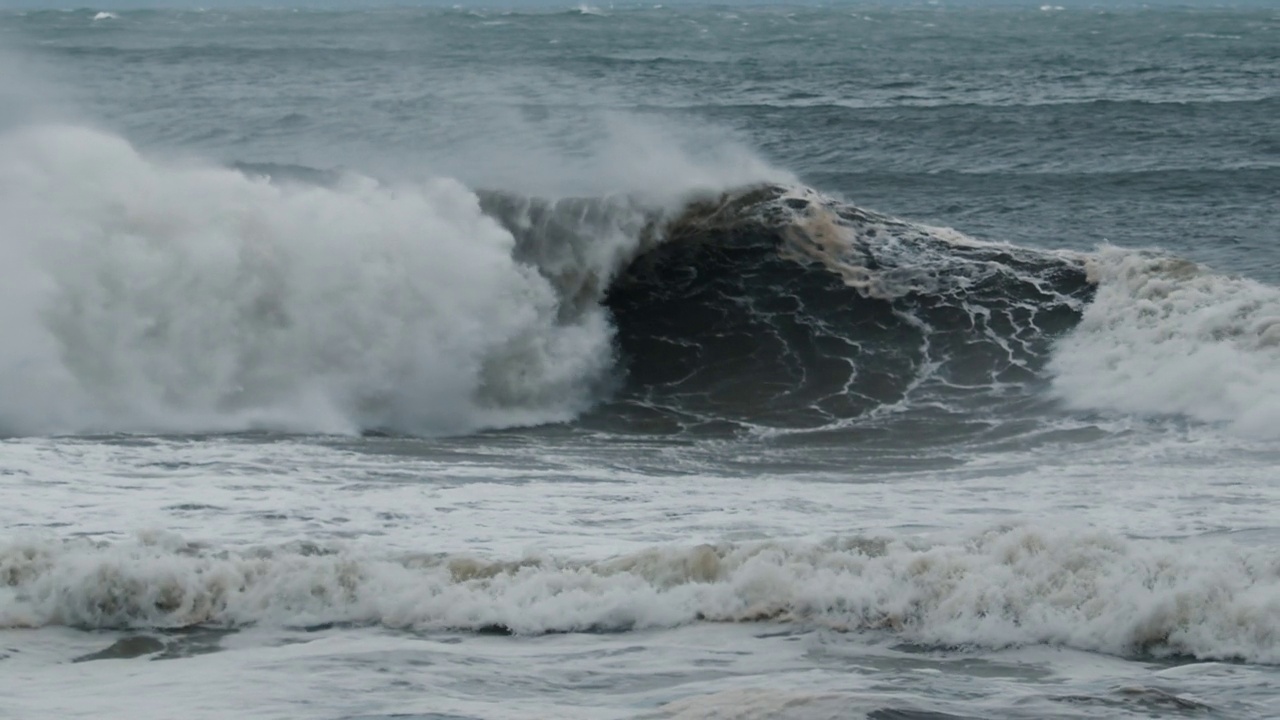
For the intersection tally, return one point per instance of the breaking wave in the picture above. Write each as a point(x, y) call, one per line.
point(1006, 587)
point(1168, 337)
point(140, 295)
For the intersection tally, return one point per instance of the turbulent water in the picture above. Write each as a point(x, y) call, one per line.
point(624, 362)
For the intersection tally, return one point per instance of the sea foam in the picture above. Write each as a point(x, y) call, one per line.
point(1006, 587)
point(1165, 336)
point(143, 295)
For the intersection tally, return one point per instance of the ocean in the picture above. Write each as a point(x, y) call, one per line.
point(889, 361)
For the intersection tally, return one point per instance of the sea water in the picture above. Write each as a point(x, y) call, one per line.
point(868, 360)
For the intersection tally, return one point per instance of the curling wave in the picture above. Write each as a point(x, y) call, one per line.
point(776, 305)
point(780, 306)
point(138, 295)
point(141, 295)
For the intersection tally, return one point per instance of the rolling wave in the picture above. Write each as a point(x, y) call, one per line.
point(148, 296)
point(783, 307)
point(777, 305)
point(1005, 587)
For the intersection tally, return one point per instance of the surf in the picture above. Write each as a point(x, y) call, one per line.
point(183, 297)
point(178, 296)
point(1006, 587)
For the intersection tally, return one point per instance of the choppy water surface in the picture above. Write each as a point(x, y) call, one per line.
point(624, 362)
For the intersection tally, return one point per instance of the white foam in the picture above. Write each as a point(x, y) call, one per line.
point(1005, 587)
point(1165, 336)
point(143, 295)
point(105, 16)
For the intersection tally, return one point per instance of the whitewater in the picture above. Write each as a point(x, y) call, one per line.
point(639, 362)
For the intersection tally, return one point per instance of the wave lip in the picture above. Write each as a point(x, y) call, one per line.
point(1006, 587)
